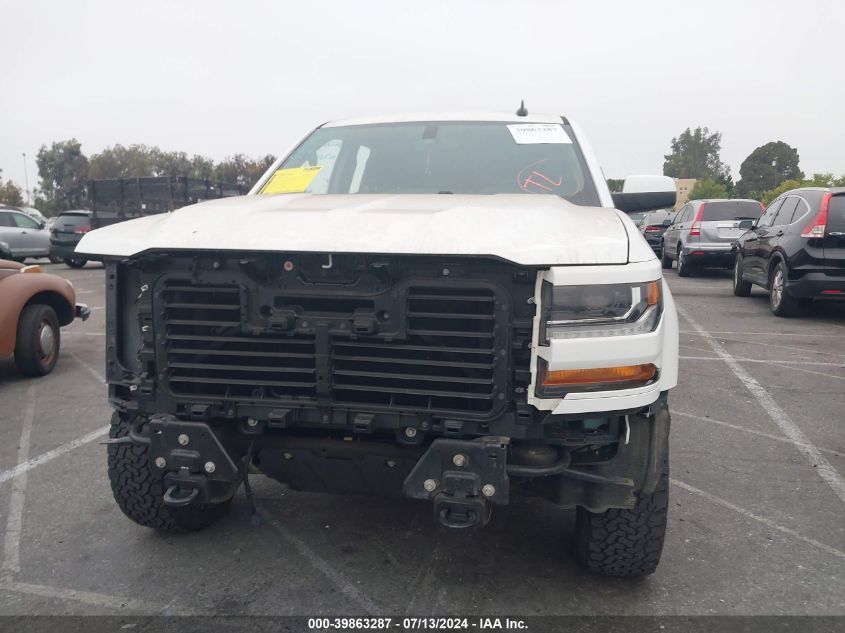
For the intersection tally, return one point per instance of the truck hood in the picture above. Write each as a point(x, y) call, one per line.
point(532, 230)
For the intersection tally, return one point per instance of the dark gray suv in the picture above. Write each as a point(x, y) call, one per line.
point(65, 234)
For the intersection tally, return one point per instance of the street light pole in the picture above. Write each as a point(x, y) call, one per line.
point(26, 176)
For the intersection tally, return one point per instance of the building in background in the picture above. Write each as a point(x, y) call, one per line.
point(684, 187)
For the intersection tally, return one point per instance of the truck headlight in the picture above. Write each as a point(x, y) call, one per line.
point(599, 310)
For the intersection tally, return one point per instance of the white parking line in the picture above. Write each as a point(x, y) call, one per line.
point(778, 438)
point(346, 587)
point(792, 347)
point(778, 415)
point(20, 469)
point(86, 597)
point(768, 361)
point(754, 333)
point(808, 371)
point(758, 518)
point(686, 347)
point(87, 367)
point(29, 464)
point(14, 518)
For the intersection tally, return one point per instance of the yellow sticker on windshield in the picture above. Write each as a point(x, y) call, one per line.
point(291, 180)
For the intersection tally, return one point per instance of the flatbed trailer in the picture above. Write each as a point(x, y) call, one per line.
point(117, 199)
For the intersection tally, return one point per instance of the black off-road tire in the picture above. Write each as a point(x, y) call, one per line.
point(140, 493)
point(665, 260)
point(625, 543)
point(29, 356)
point(742, 288)
point(75, 263)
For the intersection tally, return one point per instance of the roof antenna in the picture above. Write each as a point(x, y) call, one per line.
point(522, 111)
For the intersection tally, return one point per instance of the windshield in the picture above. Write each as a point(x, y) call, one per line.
point(732, 210)
point(73, 219)
point(657, 217)
point(439, 157)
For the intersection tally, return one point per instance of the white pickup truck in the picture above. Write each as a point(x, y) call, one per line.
point(447, 307)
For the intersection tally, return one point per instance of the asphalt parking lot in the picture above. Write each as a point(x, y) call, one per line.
point(756, 520)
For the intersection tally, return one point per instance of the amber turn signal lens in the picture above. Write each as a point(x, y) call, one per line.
point(654, 290)
point(34, 268)
point(604, 375)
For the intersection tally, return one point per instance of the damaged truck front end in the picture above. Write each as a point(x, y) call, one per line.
point(394, 375)
point(449, 307)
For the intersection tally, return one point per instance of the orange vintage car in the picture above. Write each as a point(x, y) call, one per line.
point(33, 306)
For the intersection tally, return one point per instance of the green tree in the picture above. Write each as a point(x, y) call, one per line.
point(172, 164)
point(121, 161)
point(825, 180)
point(239, 169)
point(768, 166)
point(709, 188)
point(201, 167)
point(10, 193)
point(818, 180)
point(63, 170)
point(728, 182)
point(615, 184)
point(767, 196)
point(141, 161)
point(696, 154)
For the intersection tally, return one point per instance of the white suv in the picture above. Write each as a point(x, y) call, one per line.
point(446, 307)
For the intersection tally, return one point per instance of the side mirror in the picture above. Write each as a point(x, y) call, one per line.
point(42, 224)
point(645, 193)
point(746, 224)
point(667, 222)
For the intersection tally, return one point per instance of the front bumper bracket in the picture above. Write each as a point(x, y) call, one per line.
point(462, 477)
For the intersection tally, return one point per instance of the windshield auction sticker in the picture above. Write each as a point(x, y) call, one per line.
point(532, 133)
point(291, 180)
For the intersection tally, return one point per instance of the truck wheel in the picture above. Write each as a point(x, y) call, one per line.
point(742, 288)
point(782, 303)
point(37, 345)
point(665, 260)
point(684, 267)
point(139, 492)
point(75, 263)
point(625, 543)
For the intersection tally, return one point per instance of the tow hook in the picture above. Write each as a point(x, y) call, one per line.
point(177, 496)
point(462, 478)
point(192, 461)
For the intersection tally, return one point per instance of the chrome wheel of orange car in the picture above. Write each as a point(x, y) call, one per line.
point(38, 340)
point(46, 340)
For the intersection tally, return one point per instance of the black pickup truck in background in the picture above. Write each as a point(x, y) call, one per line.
point(118, 199)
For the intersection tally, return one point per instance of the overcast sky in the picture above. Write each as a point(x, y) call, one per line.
point(220, 77)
